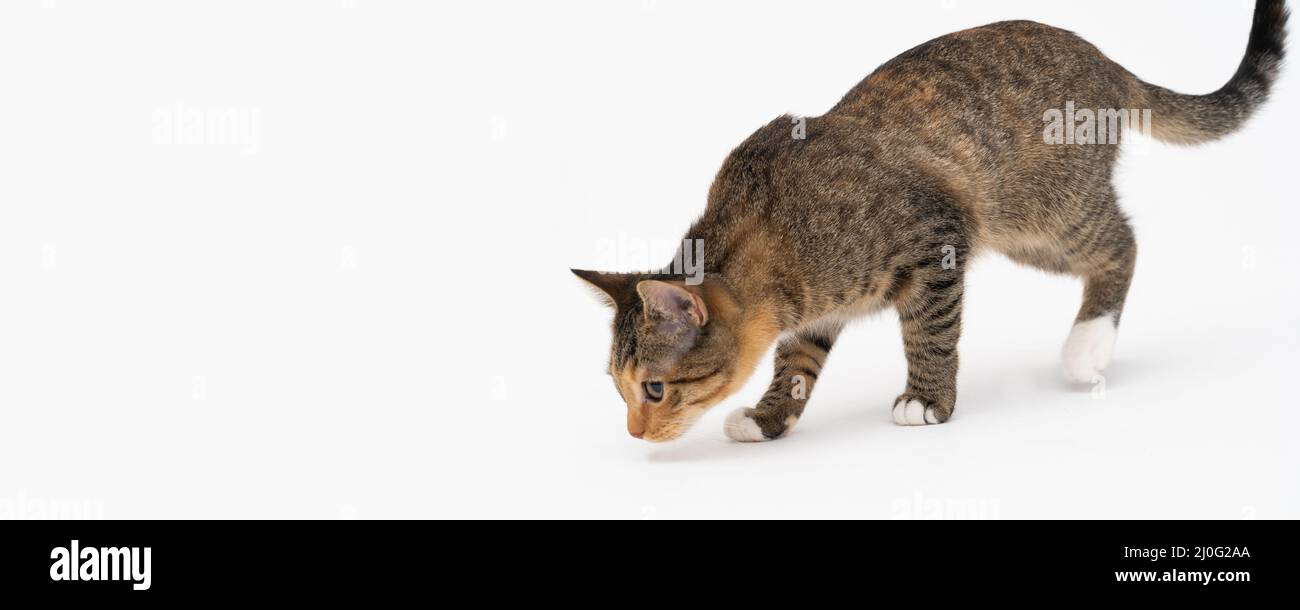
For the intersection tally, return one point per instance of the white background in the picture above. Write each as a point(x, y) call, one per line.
point(359, 305)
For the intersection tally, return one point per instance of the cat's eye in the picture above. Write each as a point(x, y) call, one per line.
point(654, 390)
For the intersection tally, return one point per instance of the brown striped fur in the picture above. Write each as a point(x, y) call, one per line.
point(935, 157)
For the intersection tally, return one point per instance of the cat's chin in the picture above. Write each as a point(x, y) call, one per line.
point(659, 440)
point(673, 430)
point(668, 433)
point(664, 437)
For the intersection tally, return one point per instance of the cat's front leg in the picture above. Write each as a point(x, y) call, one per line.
point(931, 322)
point(799, 361)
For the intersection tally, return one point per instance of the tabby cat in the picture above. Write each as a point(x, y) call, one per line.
point(939, 155)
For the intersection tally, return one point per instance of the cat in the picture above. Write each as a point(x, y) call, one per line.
point(940, 155)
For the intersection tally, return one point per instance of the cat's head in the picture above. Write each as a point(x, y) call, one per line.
point(677, 349)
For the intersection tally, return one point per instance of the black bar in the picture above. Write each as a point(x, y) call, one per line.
point(191, 560)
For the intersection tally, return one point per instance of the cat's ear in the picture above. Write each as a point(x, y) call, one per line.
point(673, 302)
point(615, 288)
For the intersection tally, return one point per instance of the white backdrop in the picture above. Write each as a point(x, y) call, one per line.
point(310, 259)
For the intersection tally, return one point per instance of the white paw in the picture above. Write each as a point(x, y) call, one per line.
point(741, 427)
point(913, 413)
point(1087, 351)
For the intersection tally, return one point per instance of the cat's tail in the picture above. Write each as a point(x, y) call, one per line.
point(1192, 119)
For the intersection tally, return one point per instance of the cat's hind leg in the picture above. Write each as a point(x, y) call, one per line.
point(1104, 255)
point(799, 361)
point(1098, 246)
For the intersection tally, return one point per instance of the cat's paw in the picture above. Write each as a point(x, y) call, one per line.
point(1088, 349)
point(912, 410)
point(742, 426)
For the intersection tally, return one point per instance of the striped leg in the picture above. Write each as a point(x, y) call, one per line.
point(1106, 260)
point(931, 322)
point(799, 361)
point(1099, 247)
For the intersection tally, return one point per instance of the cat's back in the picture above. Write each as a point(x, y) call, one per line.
point(969, 106)
point(1009, 67)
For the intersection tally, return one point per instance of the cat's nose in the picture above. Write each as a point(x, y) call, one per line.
point(635, 423)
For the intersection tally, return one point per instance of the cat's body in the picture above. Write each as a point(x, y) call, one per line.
point(939, 155)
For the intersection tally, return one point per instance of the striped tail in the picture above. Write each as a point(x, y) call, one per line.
point(1194, 119)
